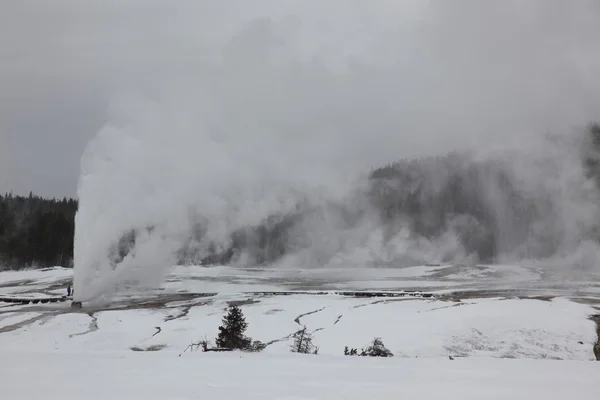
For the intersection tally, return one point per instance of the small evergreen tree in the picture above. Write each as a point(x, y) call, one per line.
point(231, 333)
point(303, 343)
point(376, 349)
point(350, 352)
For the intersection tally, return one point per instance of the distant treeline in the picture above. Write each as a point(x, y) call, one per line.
point(35, 231)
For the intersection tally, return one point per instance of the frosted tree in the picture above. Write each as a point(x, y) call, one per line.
point(377, 349)
point(303, 343)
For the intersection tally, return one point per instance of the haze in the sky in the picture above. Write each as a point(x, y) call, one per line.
point(449, 73)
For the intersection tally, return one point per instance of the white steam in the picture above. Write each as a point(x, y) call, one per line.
point(304, 98)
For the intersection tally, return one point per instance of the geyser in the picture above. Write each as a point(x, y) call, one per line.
point(283, 105)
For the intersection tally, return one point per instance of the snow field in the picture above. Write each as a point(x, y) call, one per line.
point(54, 352)
point(234, 376)
point(498, 328)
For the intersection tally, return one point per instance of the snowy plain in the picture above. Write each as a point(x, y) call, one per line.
point(503, 345)
point(288, 377)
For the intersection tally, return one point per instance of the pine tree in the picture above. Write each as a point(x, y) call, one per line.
point(231, 333)
point(376, 349)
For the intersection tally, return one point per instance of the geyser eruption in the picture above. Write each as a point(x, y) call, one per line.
point(286, 108)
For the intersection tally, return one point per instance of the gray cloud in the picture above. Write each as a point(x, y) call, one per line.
point(460, 73)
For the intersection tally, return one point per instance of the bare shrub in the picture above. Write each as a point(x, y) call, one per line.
point(303, 343)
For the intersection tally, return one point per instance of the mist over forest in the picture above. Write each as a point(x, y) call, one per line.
point(512, 205)
point(508, 205)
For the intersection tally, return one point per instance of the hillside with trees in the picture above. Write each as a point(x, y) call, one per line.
point(515, 204)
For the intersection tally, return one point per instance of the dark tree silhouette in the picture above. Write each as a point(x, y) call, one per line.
point(231, 333)
point(36, 231)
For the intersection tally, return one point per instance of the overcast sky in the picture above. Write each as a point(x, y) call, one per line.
point(61, 61)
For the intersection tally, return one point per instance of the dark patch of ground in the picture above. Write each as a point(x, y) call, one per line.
point(22, 324)
point(154, 347)
point(157, 302)
point(540, 298)
point(40, 300)
point(240, 303)
point(24, 282)
point(441, 308)
point(273, 311)
point(297, 320)
point(384, 302)
point(488, 293)
point(587, 300)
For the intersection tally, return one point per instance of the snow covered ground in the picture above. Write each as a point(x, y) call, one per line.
point(504, 336)
point(150, 376)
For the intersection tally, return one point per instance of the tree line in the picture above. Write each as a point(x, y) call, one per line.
point(36, 231)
